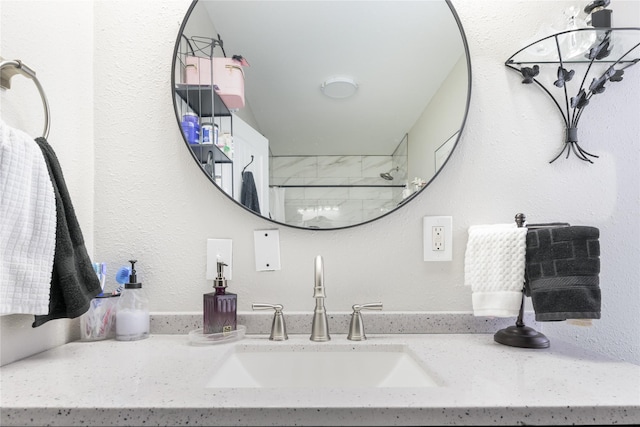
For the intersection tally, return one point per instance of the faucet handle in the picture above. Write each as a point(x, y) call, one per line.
point(356, 328)
point(278, 327)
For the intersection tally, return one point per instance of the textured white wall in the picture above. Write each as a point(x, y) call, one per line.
point(151, 203)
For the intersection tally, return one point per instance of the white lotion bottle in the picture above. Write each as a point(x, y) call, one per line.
point(132, 313)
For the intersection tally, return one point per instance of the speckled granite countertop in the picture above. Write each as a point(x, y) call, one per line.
point(161, 381)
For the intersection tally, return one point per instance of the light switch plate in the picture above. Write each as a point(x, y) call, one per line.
point(219, 249)
point(267, 249)
point(438, 238)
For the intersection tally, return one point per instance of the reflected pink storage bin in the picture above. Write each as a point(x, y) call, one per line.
point(197, 71)
point(228, 81)
point(228, 77)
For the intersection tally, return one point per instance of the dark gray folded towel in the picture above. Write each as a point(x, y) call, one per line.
point(562, 267)
point(248, 193)
point(73, 281)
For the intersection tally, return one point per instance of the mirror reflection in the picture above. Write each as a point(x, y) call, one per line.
point(321, 114)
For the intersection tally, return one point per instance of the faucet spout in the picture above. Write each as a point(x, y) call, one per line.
point(320, 325)
point(318, 288)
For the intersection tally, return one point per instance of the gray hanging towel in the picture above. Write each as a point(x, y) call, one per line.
point(249, 194)
point(73, 282)
point(562, 267)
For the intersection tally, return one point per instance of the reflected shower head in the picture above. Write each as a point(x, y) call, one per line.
point(387, 175)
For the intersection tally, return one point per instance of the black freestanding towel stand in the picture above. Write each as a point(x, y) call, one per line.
point(520, 335)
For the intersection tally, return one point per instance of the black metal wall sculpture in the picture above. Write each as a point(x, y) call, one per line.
point(557, 55)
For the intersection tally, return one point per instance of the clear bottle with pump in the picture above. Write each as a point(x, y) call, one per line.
point(220, 315)
point(132, 312)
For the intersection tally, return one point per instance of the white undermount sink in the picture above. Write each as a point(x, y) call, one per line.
point(332, 365)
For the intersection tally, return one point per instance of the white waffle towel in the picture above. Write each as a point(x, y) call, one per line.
point(494, 268)
point(27, 225)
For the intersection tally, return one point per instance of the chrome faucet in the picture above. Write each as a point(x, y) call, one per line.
point(278, 328)
point(320, 326)
point(356, 328)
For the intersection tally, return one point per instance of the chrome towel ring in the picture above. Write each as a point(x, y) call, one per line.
point(10, 68)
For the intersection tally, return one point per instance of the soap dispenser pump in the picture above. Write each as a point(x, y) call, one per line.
point(132, 311)
point(220, 306)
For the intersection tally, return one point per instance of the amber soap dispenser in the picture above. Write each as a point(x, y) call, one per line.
point(220, 306)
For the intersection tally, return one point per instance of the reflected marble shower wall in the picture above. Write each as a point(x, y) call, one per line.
point(399, 159)
point(321, 191)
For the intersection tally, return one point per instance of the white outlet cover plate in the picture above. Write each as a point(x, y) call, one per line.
point(219, 249)
point(267, 249)
point(428, 223)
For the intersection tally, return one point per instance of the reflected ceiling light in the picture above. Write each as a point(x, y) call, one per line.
point(339, 87)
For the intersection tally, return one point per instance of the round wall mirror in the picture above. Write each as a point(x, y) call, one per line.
point(321, 114)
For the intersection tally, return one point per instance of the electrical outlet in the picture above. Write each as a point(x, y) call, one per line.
point(438, 238)
point(219, 249)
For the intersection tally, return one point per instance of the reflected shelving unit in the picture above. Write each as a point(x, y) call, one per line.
point(201, 98)
point(205, 102)
point(572, 67)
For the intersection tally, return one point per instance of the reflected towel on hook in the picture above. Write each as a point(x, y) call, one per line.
point(495, 268)
point(27, 225)
point(249, 194)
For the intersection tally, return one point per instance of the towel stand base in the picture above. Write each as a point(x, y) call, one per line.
point(521, 336)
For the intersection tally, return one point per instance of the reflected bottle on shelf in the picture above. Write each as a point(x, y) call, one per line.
point(191, 127)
